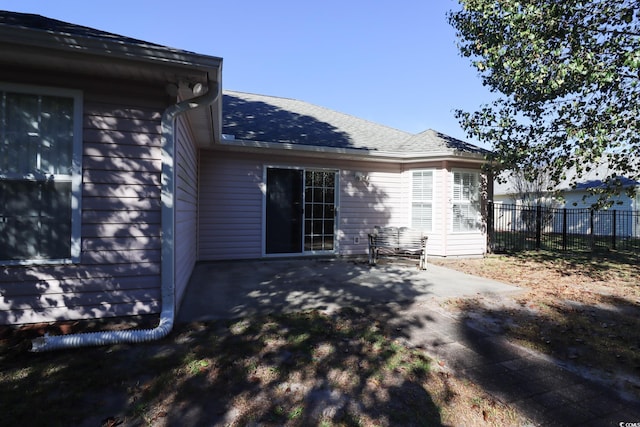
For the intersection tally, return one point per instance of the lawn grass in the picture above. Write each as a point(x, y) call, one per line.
point(581, 308)
point(307, 368)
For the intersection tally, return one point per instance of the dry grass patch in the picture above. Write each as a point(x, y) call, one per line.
point(581, 308)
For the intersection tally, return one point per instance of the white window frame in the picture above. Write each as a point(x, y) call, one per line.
point(74, 177)
point(423, 198)
point(336, 206)
point(466, 202)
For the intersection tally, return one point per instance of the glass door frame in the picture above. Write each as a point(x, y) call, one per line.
point(336, 193)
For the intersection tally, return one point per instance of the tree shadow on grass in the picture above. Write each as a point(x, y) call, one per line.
point(303, 368)
point(594, 372)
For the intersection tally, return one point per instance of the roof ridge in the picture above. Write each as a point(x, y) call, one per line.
point(408, 134)
point(259, 94)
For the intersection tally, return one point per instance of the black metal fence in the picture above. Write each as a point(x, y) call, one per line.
point(514, 228)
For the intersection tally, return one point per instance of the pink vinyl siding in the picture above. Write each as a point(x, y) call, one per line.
point(366, 204)
point(119, 269)
point(118, 186)
point(466, 244)
point(186, 210)
point(230, 219)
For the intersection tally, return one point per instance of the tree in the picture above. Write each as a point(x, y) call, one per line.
point(567, 73)
point(532, 194)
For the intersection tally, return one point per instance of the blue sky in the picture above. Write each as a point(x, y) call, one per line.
point(390, 62)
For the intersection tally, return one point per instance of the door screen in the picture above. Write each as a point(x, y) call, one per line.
point(284, 211)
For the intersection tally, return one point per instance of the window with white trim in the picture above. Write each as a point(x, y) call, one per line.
point(422, 200)
point(40, 143)
point(466, 201)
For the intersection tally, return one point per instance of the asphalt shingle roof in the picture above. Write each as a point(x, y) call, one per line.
point(264, 118)
point(431, 140)
point(54, 26)
point(596, 177)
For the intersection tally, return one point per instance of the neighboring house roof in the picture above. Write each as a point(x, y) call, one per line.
point(261, 118)
point(56, 46)
point(594, 178)
point(598, 183)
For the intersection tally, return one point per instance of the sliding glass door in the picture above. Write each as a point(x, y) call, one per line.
point(300, 211)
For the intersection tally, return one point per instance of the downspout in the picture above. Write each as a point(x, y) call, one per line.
point(167, 315)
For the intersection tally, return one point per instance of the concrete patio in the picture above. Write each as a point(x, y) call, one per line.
point(223, 290)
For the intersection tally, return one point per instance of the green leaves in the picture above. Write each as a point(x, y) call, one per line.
point(632, 59)
point(568, 72)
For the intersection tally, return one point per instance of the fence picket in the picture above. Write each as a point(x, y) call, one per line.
point(513, 228)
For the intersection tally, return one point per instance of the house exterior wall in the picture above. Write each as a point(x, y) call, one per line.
point(443, 241)
point(230, 210)
point(582, 199)
point(232, 189)
point(186, 209)
point(119, 268)
point(378, 201)
point(602, 220)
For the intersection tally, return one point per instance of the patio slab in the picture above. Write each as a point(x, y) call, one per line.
point(230, 289)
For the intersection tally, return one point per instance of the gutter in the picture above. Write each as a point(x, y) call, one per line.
point(348, 153)
point(167, 315)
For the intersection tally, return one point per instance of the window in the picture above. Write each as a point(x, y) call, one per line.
point(39, 173)
point(422, 200)
point(466, 201)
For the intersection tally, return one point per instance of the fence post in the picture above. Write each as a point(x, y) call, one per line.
point(564, 229)
point(591, 226)
point(490, 226)
point(538, 226)
point(614, 232)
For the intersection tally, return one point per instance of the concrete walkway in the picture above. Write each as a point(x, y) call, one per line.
point(541, 389)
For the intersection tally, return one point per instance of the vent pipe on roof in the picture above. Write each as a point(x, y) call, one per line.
point(167, 315)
